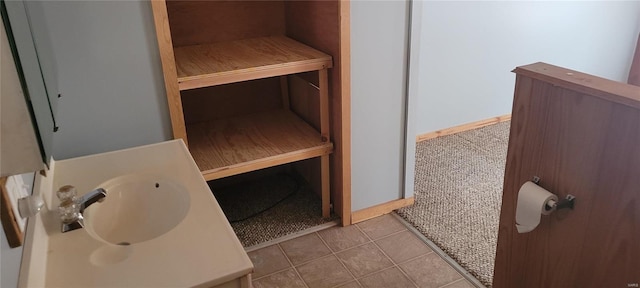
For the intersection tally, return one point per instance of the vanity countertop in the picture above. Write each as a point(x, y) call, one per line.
point(200, 251)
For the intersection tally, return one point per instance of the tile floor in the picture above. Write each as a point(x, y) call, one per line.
point(380, 252)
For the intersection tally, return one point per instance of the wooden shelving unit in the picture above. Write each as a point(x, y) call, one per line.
point(237, 145)
point(248, 59)
point(240, 144)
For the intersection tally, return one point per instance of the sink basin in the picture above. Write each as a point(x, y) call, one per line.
point(137, 208)
point(159, 209)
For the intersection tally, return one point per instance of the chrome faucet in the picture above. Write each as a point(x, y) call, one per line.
point(72, 207)
point(94, 196)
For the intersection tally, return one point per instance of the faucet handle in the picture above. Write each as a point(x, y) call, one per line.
point(69, 211)
point(66, 192)
point(69, 208)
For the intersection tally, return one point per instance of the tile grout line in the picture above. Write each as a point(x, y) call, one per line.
point(449, 284)
point(293, 266)
point(370, 240)
point(271, 274)
point(277, 271)
point(405, 273)
point(386, 236)
point(339, 260)
point(465, 274)
point(385, 254)
point(414, 258)
point(323, 256)
point(291, 236)
point(287, 257)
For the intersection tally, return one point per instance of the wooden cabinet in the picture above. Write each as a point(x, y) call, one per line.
point(580, 134)
point(229, 69)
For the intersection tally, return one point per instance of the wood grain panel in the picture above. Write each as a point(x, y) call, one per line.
point(325, 26)
point(343, 86)
point(241, 144)
point(305, 100)
point(613, 234)
point(231, 100)
point(247, 59)
point(381, 209)
point(579, 144)
point(310, 170)
point(588, 84)
point(325, 186)
point(9, 224)
point(634, 71)
point(323, 88)
point(284, 92)
point(463, 127)
point(201, 22)
point(254, 176)
point(315, 23)
point(165, 46)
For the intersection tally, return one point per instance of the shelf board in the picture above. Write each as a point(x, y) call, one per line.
point(237, 145)
point(248, 59)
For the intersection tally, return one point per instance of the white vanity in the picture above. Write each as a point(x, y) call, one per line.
point(159, 226)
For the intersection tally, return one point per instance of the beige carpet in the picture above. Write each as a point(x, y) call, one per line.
point(458, 193)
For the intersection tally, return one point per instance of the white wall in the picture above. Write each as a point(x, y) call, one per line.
point(378, 88)
point(469, 48)
point(109, 75)
point(9, 263)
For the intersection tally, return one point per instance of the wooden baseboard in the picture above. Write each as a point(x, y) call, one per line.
point(463, 127)
point(381, 209)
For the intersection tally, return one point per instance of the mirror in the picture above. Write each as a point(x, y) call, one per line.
point(28, 102)
point(33, 55)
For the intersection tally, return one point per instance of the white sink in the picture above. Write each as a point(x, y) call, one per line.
point(158, 226)
point(137, 208)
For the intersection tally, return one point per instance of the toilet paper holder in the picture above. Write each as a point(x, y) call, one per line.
point(567, 202)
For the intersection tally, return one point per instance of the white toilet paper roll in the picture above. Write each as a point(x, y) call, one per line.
point(531, 206)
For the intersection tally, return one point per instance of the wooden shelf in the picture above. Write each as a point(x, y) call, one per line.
point(248, 59)
point(237, 145)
